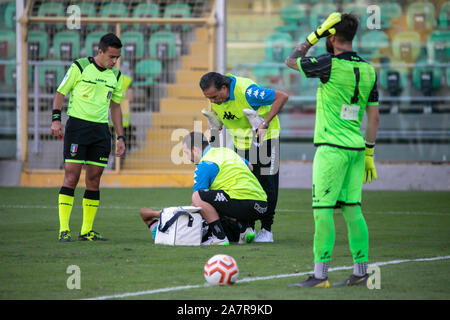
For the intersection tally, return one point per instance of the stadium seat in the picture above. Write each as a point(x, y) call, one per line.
point(427, 79)
point(113, 10)
point(91, 43)
point(389, 11)
point(266, 74)
point(447, 76)
point(278, 46)
point(38, 43)
point(147, 72)
point(50, 76)
point(51, 9)
point(295, 18)
point(9, 77)
point(177, 10)
point(87, 9)
point(372, 42)
point(146, 10)
point(133, 45)
point(66, 45)
point(162, 45)
point(10, 15)
point(421, 15)
point(7, 44)
point(444, 16)
point(393, 80)
point(406, 46)
point(438, 46)
point(319, 13)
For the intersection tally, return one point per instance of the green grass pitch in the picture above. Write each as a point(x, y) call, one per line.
point(402, 225)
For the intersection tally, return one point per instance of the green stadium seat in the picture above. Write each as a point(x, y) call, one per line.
point(177, 10)
point(50, 76)
point(295, 18)
point(319, 13)
point(113, 10)
point(38, 43)
point(66, 45)
point(372, 42)
point(278, 46)
point(421, 15)
point(427, 78)
point(447, 76)
point(147, 72)
point(133, 45)
point(8, 83)
point(406, 46)
point(438, 46)
point(266, 74)
point(146, 10)
point(91, 43)
point(389, 11)
point(7, 44)
point(10, 15)
point(87, 9)
point(444, 16)
point(51, 9)
point(162, 45)
point(393, 80)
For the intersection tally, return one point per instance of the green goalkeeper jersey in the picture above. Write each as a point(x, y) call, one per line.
point(348, 84)
point(91, 88)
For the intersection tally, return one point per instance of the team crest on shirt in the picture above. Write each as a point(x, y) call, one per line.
point(73, 149)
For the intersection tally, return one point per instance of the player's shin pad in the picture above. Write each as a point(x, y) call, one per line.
point(213, 120)
point(254, 119)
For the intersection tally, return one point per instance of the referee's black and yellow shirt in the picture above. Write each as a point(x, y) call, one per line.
point(91, 88)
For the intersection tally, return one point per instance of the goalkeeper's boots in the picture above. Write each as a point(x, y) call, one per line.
point(91, 236)
point(214, 241)
point(313, 282)
point(254, 118)
point(354, 281)
point(247, 236)
point(64, 236)
point(264, 236)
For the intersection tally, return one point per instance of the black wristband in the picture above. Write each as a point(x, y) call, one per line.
point(56, 115)
point(121, 137)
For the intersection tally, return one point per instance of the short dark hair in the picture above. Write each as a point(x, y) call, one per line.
point(214, 79)
point(195, 139)
point(346, 29)
point(109, 40)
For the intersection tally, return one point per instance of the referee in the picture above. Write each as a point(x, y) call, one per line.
point(343, 159)
point(95, 86)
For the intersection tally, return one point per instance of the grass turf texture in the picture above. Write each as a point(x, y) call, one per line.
point(402, 225)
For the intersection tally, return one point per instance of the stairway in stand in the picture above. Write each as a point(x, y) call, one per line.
point(179, 114)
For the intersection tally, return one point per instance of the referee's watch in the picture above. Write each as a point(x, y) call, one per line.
point(121, 137)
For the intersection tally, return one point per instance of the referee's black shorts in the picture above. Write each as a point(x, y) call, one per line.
point(87, 142)
point(242, 210)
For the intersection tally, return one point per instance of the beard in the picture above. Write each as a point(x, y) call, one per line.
point(329, 46)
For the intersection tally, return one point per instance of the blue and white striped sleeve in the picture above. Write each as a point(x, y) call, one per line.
point(204, 175)
point(257, 97)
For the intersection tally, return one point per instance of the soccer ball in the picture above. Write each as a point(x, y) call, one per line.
point(221, 270)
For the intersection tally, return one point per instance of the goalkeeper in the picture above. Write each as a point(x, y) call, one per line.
point(343, 158)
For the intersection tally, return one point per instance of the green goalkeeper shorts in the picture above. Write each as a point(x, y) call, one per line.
point(337, 177)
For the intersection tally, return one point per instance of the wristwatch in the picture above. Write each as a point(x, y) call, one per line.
point(121, 137)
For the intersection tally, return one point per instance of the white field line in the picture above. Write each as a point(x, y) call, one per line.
point(106, 207)
point(179, 288)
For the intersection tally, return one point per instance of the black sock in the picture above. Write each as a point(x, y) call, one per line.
point(217, 229)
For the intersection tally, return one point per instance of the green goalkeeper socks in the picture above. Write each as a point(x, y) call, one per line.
point(358, 234)
point(324, 235)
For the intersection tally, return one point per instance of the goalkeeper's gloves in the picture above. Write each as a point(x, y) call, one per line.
point(326, 28)
point(254, 118)
point(370, 171)
point(213, 120)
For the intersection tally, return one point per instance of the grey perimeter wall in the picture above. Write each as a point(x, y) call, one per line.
point(390, 176)
point(296, 174)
